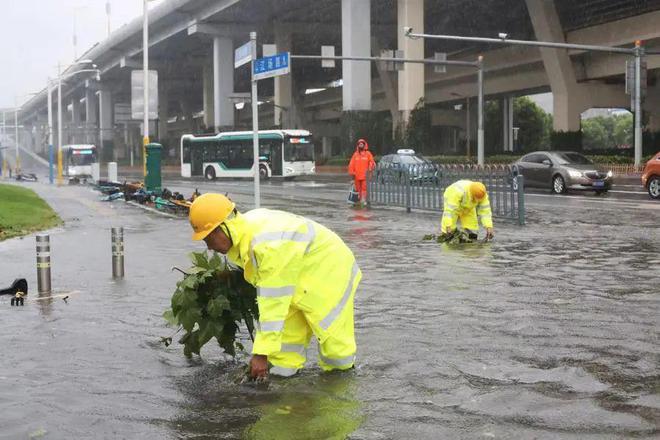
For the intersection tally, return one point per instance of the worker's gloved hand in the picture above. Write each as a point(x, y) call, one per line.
point(489, 234)
point(259, 366)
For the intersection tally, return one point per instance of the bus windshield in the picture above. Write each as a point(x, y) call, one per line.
point(298, 150)
point(82, 157)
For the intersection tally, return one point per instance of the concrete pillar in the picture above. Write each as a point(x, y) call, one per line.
point(356, 41)
point(75, 130)
point(567, 95)
point(163, 111)
point(91, 116)
point(207, 86)
point(411, 78)
point(106, 122)
point(326, 147)
point(223, 82)
point(284, 112)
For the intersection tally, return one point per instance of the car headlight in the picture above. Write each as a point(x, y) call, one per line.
point(575, 173)
point(610, 173)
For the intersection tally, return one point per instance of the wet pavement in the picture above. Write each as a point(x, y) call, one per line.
point(550, 331)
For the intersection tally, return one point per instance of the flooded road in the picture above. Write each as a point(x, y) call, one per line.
point(550, 331)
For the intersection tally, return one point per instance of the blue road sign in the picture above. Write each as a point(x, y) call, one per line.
point(268, 67)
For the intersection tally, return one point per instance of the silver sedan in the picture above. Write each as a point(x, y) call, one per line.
point(561, 171)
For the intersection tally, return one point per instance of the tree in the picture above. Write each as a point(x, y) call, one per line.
point(595, 135)
point(534, 125)
point(418, 129)
point(623, 130)
point(607, 132)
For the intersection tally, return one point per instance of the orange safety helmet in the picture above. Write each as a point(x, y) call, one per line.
point(207, 212)
point(477, 190)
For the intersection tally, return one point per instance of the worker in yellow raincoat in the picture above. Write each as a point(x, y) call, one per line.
point(306, 278)
point(467, 201)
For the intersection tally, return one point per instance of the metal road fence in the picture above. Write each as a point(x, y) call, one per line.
point(422, 186)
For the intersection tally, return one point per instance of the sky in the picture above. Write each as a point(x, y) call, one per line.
point(37, 34)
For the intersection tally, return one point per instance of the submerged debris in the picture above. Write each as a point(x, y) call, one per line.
point(455, 237)
point(165, 200)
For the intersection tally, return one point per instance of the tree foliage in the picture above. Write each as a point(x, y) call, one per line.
point(602, 133)
point(210, 302)
point(418, 129)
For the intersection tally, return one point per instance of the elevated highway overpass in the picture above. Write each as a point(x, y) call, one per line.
point(192, 44)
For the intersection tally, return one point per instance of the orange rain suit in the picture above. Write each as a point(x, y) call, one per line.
point(361, 162)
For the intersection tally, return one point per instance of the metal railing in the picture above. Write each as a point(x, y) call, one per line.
point(422, 186)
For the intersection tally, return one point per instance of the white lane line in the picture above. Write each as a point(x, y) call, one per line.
point(629, 204)
point(627, 192)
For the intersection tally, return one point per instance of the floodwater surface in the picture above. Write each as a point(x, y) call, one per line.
point(550, 331)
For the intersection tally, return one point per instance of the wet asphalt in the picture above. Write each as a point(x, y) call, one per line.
point(550, 331)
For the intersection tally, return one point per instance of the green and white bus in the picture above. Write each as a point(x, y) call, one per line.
point(282, 153)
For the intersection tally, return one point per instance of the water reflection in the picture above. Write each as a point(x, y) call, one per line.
point(321, 408)
point(312, 405)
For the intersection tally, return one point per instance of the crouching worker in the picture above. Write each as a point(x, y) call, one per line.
point(306, 278)
point(467, 201)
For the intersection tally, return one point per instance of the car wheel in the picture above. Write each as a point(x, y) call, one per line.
point(209, 173)
point(654, 187)
point(263, 173)
point(558, 185)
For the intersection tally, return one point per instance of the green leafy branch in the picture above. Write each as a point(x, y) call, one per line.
point(210, 302)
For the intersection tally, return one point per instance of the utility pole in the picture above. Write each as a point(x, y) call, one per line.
point(145, 83)
point(107, 14)
point(255, 121)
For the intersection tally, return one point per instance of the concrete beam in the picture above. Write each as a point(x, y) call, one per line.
point(166, 32)
point(214, 30)
point(620, 32)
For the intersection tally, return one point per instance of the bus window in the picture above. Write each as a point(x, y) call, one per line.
point(240, 155)
point(298, 151)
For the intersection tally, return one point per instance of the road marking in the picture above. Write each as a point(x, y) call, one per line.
point(630, 204)
point(627, 192)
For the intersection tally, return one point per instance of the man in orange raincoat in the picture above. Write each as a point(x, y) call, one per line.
point(361, 162)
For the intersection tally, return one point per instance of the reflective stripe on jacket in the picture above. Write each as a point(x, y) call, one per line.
point(458, 202)
point(293, 262)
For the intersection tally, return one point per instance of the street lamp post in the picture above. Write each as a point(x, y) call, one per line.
point(4, 124)
point(480, 116)
point(18, 159)
point(50, 131)
point(59, 124)
point(145, 83)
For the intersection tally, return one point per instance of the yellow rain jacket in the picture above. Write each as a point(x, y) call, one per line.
point(295, 263)
point(459, 205)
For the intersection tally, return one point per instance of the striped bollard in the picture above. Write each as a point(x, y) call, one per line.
point(118, 252)
point(43, 263)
